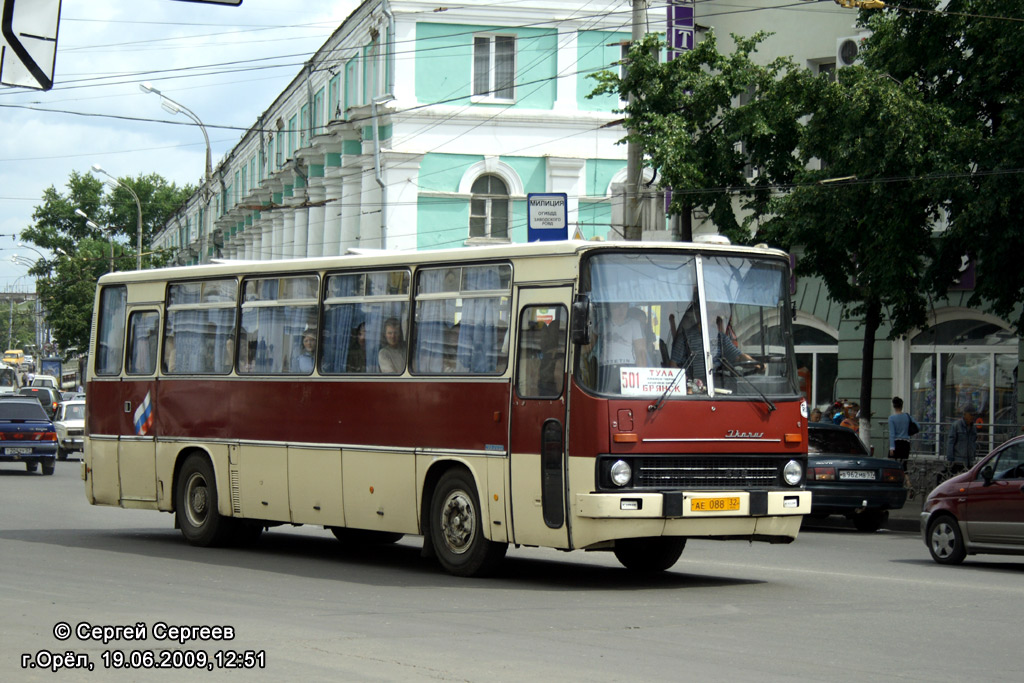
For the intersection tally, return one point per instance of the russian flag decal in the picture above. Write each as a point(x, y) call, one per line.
point(144, 416)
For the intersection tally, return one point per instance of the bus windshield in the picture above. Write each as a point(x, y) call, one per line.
point(675, 325)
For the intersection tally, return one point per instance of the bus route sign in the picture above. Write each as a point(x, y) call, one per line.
point(547, 217)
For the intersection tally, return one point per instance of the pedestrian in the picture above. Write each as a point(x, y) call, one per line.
point(852, 417)
point(902, 426)
point(962, 441)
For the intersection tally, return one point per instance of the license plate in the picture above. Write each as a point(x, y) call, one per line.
point(18, 451)
point(856, 474)
point(714, 504)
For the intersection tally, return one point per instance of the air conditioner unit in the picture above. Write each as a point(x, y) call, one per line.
point(847, 50)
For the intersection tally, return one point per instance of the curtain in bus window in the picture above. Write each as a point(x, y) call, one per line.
point(639, 278)
point(142, 333)
point(479, 340)
point(434, 321)
point(200, 341)
point(341, 321)
point(739, 281)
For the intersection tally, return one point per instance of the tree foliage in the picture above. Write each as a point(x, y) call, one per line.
point(969, 59)
point(66, 282)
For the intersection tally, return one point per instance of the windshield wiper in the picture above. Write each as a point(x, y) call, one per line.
point(728, 366)
point(672, 385)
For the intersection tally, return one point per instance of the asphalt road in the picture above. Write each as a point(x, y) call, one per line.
point(834, 606)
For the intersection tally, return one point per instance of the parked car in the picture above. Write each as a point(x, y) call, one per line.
point(26, 433)
point(846, 480)
point(980, 510)
point(47, 396)
point(70, 425)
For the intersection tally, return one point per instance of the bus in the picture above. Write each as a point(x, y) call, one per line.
point(573, 395)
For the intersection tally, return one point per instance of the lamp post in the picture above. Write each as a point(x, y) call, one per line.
point(22, 245)
point(138, 205)
point(110, 236)
point(175, 107)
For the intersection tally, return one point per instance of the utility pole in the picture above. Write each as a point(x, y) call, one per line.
point(632, 228)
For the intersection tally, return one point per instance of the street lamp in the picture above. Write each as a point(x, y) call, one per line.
point(22, 245)
point(138, 205)
point(110, 236)
point(175, 107)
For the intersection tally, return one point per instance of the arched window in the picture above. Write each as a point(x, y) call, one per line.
point(958, 363)
point(489, 208)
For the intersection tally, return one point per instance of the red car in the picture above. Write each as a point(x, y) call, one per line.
point(978, 511)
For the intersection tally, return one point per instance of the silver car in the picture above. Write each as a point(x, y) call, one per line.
point(69, 422)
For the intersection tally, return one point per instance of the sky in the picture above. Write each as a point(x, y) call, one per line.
point(226, 64)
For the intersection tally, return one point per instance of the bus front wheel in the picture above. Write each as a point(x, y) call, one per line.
point(456, 528)
point(196, 504)
point(649, 554)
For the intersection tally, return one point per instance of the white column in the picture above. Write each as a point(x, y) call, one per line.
point(333, 187)
point(287, 234)
point(566, 175)
point(300, 227)
point(351, 208)
point(565, 95)
point(315, 240)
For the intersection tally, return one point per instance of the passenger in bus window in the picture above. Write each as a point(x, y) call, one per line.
point(306, 358)
point(356, 361)
point(688, 349)
point(391, 356)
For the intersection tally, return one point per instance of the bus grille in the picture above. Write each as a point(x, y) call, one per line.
point(717, 472)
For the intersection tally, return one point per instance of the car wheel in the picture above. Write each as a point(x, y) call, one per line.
point(31, 466)
point(870, 521)
point(945, 540)
point(48, 467)
point(456, 528)
point(364, 537)
point(196, 505)
point(649, 554)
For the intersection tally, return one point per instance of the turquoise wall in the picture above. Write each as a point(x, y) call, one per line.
point(596, 50)
point(442, 222)
point(444, 64)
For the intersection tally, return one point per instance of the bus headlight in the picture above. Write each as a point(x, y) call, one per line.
point(621, 472)
point(792, 473)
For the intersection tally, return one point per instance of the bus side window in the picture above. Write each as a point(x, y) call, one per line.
point(541, 364)
point(142, 339)
point(110, 331)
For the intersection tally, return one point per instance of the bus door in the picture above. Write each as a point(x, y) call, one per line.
point(537, 464)
point(136, 452)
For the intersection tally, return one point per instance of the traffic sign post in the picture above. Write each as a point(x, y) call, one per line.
point(28, 46)
point(547, 216)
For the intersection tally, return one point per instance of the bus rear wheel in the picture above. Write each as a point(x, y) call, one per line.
point(649, 554)
point(196, 505)
point(456, 528)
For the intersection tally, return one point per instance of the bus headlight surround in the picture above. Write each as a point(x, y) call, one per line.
point(793, 472)
point(621, 473)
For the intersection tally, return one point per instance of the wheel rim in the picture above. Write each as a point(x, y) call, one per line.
point(197, 500)
point(458, 522)
point(943, 540)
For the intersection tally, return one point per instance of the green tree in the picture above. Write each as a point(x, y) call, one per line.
point(66, 282)
point(703, 117)
point(704, 120)
point(969, 59)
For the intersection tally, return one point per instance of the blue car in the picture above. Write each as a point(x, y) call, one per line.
point(846, 480)
point(26, 434)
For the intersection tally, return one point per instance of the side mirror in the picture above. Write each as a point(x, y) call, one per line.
point(987, 474)
point(581, 320)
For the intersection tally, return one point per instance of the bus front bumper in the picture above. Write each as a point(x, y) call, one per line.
point(693, 504)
